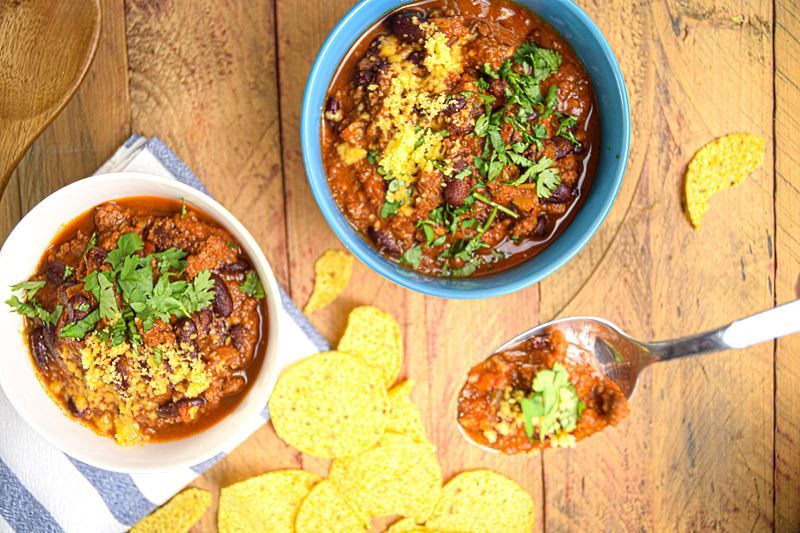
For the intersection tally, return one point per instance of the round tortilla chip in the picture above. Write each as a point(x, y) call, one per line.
point(265, 503)
point(332, 273)
point(374, 336)
point(177, 515)
point(405, 417)
point(329, 405)
point(325, 508)
point(721, 164)
point(399, 476)
point(407, 525)
point(483, 501)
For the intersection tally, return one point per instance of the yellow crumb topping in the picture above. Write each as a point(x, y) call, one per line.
point(350, 154)
point(442, 61)
point(411, 151)
point(125, 383)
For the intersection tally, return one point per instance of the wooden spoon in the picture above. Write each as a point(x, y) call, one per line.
point(46, 48)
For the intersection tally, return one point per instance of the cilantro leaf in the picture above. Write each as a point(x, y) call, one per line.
point(252, 286)
point(79, 329)
point(553, 406)
point(28, 289)
point(412, 256)
point(89, 245)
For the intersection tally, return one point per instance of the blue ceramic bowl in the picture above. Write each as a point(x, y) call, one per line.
point(595, 53)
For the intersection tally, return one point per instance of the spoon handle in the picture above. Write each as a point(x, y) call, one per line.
point(767, 325)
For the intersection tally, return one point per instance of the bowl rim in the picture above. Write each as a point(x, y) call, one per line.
point(262, 386)
point(429, 285)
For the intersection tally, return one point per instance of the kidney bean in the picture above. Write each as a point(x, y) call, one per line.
point(223, 303)
point(43, 348)
point(561, 195)
point(456, 104)
point(78, 306)
point(364, 77)
point(580, 148)
point(54, 270)
point(95, 258)
point(333, 110)
point(239, 267)
point(416, 57)
point(405, 25)
point(173, 409)
point(384, 241)
point(456, 191)
point(77, 413)
point(542, 226)
point(121, 366)
point(563, 147)
point(238, 335)
point(186, 332)
point(203, 320)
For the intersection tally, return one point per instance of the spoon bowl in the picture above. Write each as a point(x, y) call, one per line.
point(46, 48)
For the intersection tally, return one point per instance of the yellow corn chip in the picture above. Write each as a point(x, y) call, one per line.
point(324, 509)
point(329, 405)
point(374, 336)
point(332, 273)
point(405, 417)
point(721, 164)
point(266, 503)
point(399, 476)
point(407, 525)
point(177, 515)
point(483, 501)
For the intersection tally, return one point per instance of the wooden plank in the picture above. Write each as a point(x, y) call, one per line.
point(209, 91)
point(787, 253)
point(92, 125)
point(696, 452)
point(443, 339)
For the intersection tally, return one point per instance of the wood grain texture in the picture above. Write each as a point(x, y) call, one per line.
point(46, 49)
point(221, 83)
point(787, 255)
point(689, 458)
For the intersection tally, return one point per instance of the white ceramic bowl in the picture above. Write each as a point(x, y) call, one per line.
point(18, 259)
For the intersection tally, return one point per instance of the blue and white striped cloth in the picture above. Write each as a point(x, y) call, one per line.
point(42, 489)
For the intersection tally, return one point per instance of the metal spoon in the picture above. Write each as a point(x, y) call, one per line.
point(622, 358)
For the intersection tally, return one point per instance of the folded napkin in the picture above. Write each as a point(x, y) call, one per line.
point(42, 489)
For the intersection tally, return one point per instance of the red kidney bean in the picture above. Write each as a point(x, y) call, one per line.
point(186, 332)
point(122, 369)
point(563, 147)
point(456, 191)
point(456, 104)
point(364, 77)
point(54, 270)
point(238, 335)
point(416, 57)
point(561, 195)
point(384, 241)
point(542, 226)
point(95, 258)
point(223, 303)
point(173, 409)
point(78, 306)
point(77, 413)
point(239, 267)
point(580, 148)
point(333, 110)
point(405, 25)
point(43, 347)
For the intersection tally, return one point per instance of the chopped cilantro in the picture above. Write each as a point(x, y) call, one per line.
point(89, 245)
point(372, 157)
point(252, 286)
point(79, 329)
point(553, 407)
point(412, 256)
point(68, 272)
point(565, 129)
point(488, 201)
point(26, 305)
point(389, 208)
point(183, 207)
point(232, 245)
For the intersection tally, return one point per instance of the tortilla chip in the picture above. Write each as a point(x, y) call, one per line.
point(721, 164)
point(323, 508)
point(374, 336)
point(405, 417)
point(483, 501)
point(329, 405)
point(265, 503)
point(332, 273)
point(177, 515)
point(407, 525)
point(399, 476)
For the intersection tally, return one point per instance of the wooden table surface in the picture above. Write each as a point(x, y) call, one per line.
point(712, 442)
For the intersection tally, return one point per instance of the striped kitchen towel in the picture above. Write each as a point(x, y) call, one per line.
point(42, 489)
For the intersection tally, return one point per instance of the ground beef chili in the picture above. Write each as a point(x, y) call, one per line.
point(145, 320)
point(460, 137)
point(533, 396)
